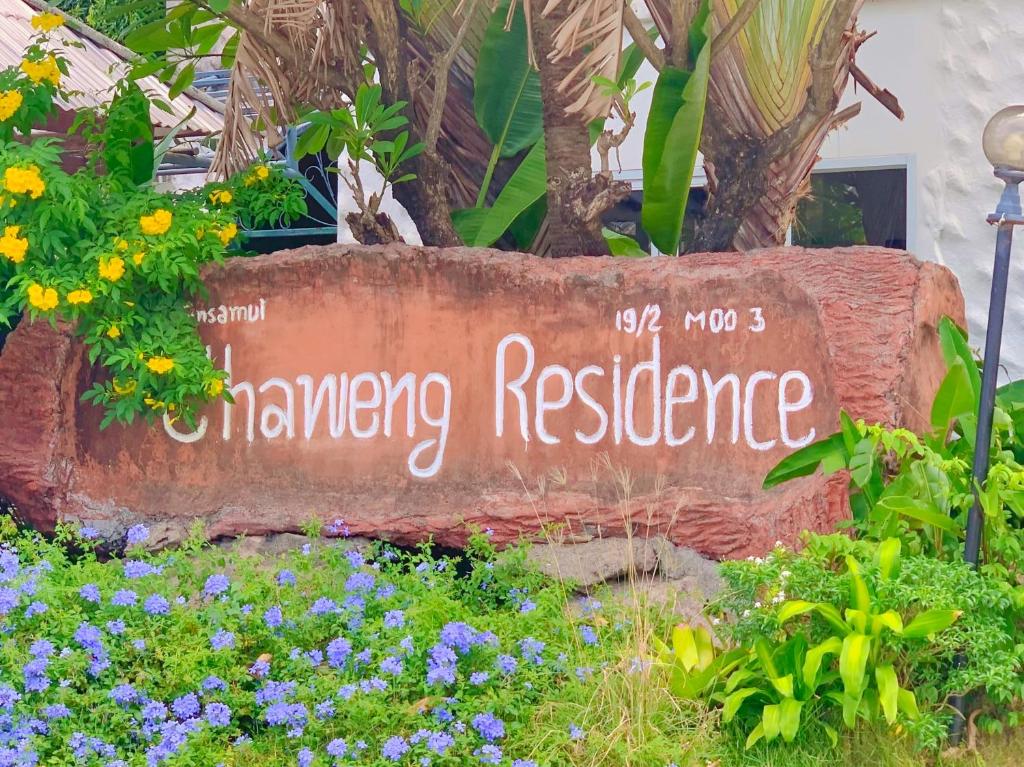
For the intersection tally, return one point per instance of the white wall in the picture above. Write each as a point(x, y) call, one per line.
point(952, 64)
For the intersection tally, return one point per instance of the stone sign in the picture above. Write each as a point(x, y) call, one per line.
point(416, 391)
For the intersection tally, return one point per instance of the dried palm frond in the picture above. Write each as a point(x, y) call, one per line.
point(595, 27)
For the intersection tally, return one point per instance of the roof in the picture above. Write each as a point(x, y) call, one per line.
point(97, 65)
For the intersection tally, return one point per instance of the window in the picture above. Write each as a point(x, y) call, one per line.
point(859, 207)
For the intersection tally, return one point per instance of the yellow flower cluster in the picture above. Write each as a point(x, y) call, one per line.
point(81, 296)
point(10, 102)
point(42, 71)
point(215, 387)
point(113, 332)
point(24, 181)
point(221, 197)
point(157, 223)
point(259, 173)
point(43, 299)
point(112, 268)
point(126, 388)
point(160, 365)
point(227, 234)
point(47, 22)
point(12, 246)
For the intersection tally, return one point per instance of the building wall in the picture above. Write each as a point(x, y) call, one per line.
point(953, 64)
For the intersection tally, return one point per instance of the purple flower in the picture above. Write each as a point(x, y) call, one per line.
point(216, 585)
point(35, 673)
point(8, 697)
point(186, 706)
point(305, 757)
point(338, 651)
point(124, 694)
point(489, 726)
point(56, 711)
point(89, 637)
point(459, 636)
point(90, 592)
point(524, 763)
point(212, 683)
point(273, 617)
point(324, 710)
point(355, 559)
point(575, 732)
point(360, 582)
point(260, 668)
point(36, 608)
point(394, 619)
point(223, 640)
point(156, 604)
point(134, 568)
point(323, 606)
point(154, 711)
point(88, 533)
point(439, 742)
point(479, 677)
point(286, 578)
point(136, 535)
point(9, 600)
point(506, 664)
point(337, 748)
point(392, 665)
point(124, 598)
point(527, 606)
point(531, 650)
point(41, 648)
point(218, 715)
point(588, 635)
point(386, 590)
point(116, 627)
point(488, 754)
point(394, 748)
point(139, 644)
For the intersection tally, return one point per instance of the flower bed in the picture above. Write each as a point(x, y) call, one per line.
point(326, 656)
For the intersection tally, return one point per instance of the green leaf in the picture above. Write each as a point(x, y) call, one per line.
point(922, 511)
point(128, 150)
point(806, 460)
point(755, 735)
point(794, 607)
point(527, 185)
point(684, 646)
point(771, 721)
point(783, 685)
point(954, 398)
point(674, 125)
point(814, 657)
point(621, 245)
point(789, 718)
point(888, 557)
point(853, 659)
point(733, 702)
point(907, 703)
point(888, 690)
point(890, 619)
point(953, 341)
point(930, 622)
point(862, 462)
point(506, 89)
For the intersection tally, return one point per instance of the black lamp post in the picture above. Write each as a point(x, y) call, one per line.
point(1004, 146)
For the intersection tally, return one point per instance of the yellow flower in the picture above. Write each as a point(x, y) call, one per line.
point(127, 388)
point(113, 332)
point(12, 246)
point(42, 71)
point(112, 268)
point(227, 234)
point(215, 387)
point(47, 22)
point(81, 296)
point(24, 181)
point(221, 197)
point(160, 365)
point(154, 404)
point(157, 223)
point(121, 244)
point(259, 173)
point(137, 257)
point(43, 299)
point(10, 102)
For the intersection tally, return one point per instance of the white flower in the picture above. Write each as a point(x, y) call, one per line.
point(746, 613)
point(715, 621)
point(757, 605)
point(785, 574)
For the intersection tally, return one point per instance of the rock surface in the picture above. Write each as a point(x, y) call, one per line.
point(598, 395)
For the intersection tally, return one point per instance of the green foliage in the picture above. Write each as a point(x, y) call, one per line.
point(695, 666)
point(366, 130)
point(672, 138)
point(102, 249)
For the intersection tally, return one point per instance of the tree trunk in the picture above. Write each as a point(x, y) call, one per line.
point(572, 232)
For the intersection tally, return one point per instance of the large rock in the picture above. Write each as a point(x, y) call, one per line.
point(625, 358)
